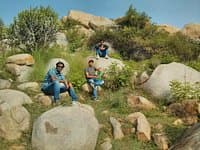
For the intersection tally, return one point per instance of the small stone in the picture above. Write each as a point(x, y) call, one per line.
point(177, 122)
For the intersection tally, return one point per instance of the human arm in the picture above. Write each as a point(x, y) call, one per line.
point(87, 75)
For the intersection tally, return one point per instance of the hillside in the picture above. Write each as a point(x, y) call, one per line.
point(150, 97)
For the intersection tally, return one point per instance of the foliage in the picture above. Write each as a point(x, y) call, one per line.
point(183, 47)
point(117, 78)
point(69, 24)
point(3, 30)
point(34, 28)
point(76, 40)
point(133, 18)
point(195, 64)
point(182, 91)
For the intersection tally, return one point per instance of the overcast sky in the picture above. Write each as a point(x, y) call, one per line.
point(173, 12)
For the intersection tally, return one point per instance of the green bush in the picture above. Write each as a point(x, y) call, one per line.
point(186, 49)
point(76, 40)
point(34, 28)
point(68, 23)
point(133, 18)
point(116, 78)
point(195, 64)
point(183, 91)
point(3, 30)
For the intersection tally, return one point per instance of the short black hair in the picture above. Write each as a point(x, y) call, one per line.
point(60, 62)
point(91, 60)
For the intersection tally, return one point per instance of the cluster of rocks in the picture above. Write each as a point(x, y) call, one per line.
point(190, 30)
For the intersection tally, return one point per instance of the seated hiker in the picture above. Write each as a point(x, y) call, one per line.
point(92, 78)
point(55, 83)
point(101, 50)
point(100, 76)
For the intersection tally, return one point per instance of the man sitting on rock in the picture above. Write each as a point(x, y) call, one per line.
point(92, 78)
point(55, 83)
point(101, 50)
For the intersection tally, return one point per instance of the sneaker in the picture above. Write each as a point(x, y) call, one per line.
point(93, 86)
point(96, 99)
point(106, 57)
point(97, 56)
point(75, 103)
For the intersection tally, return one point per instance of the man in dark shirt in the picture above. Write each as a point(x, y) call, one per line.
point(55, 83)
point(92, 78)
point(101, 50)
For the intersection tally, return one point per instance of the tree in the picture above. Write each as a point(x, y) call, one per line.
point(34, 28)
point(1, 29)
point(135, 19)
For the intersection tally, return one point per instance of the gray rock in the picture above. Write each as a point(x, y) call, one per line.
point(158, 83)
point(14, 97)
point(106, 145)
point(87, 19)
point(52, 63)
point(22, 72)
point(117, 131)
point(32, 86)
point(63, 128)
point(190, 140)
point(13, 121)
point(21, 59)
point(4, 84)
point(106, 63)
point(61, 39)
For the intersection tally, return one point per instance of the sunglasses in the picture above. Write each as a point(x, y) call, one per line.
point(60, 66)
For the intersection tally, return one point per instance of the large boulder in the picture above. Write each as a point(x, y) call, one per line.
point(168, 28)
point(106, 63)
point(140, 102)
point(186, 110)
point(21, 59)
point(190, 140)
point(13, 121)
point(64, 128)
point(14, 97)
point(192, 31)
point(4, 84)
point(52, 63)
point(22, 72)
point(89, 20)
point(159, 82)
point(20, 65)
point(14, 118)
point(31, 86)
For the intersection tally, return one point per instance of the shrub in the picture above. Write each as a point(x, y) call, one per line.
point(116, 78)
point(3, 30)
point(69, 23)
point(195, 64)
point(186, 49)
point(34, 28)
point(182, 91)
point(76, 40)
point(133, 18)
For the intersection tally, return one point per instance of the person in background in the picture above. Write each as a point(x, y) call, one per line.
point(92, 78)
point(55, 83)
point(101, 50)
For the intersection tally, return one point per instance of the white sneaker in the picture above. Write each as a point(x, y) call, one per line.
point(97, 56)
point(93, 86)
point(75, 103)
point(106, 57)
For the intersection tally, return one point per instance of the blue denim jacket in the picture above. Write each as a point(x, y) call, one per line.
point(50, 73)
